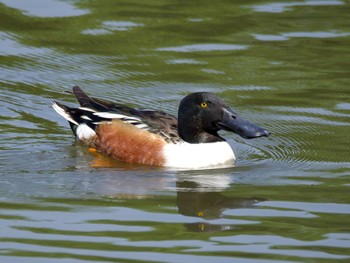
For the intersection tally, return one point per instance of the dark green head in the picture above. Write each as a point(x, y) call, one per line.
point(202, 114)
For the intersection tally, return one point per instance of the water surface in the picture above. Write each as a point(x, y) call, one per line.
point(284, 65)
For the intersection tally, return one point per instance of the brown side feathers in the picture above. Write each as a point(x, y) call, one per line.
point(125, 142)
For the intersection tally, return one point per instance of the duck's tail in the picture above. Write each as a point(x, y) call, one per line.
point(81, 120)
point(83, 99)
point(84, 120)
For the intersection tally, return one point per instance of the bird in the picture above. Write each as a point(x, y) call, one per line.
point(154, 137)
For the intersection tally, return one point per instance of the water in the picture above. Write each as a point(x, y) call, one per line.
point(284, 65)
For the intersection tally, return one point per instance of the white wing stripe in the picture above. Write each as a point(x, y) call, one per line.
point(141, 126)
point(109, 115)
point(86, 118)
point(87, 109)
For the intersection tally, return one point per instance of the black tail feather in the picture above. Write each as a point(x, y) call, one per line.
point(88, 102)
point(82, 97)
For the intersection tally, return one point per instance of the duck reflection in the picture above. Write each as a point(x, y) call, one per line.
point(201, 195)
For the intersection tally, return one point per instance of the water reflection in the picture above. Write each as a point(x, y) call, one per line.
point(208, 205)
point(202, 197)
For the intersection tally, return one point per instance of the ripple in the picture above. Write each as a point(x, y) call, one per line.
point(55, 69)
point(118, 255)
point(271, 244)
point(43, 259)
point(108, 27)
point(11, 47)
point(252, 88)
point(204, 48)
point(120, 25)
point(279, 7)
point(287, 36)
point(45, 8)
point(330, 208)
point(343, 106)
point(292, 144)
point(185, 61)
point(268, 213)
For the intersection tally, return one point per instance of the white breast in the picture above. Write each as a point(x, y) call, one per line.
point(202, 155)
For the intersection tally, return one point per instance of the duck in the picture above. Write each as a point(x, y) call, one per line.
point(154, 137)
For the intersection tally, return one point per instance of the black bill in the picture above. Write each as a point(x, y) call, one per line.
point(234, 123)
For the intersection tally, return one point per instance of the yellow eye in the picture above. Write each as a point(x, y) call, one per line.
point(204, 104)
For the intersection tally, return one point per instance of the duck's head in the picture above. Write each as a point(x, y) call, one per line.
point(202, 114)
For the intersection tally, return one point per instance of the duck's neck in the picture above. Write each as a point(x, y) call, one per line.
point(191, 134)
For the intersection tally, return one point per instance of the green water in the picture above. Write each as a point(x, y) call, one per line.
point(284, 65)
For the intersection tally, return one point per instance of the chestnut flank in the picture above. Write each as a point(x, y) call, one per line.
point(127, 143)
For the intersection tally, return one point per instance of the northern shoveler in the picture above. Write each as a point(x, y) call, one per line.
point(155, 137)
